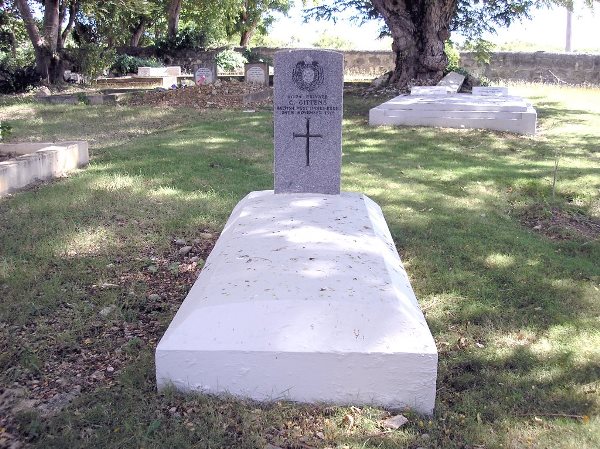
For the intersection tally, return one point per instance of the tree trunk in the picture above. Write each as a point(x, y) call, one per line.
point(173, 18)
point(419, 29)
point(137, 34)
point(47, 58)
point(246, 36)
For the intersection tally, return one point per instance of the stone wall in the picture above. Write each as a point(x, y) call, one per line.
point(508, 66)
point(538, 67)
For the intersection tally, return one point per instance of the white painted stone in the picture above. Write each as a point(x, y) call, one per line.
point(453, 81)
point(512, 114)
point(429, 90)
point(304, 297)
point(39, 161)
point(490, 91)
point(159, 71)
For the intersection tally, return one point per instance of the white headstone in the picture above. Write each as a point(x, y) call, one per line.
point(257, 73)
point(453, 81)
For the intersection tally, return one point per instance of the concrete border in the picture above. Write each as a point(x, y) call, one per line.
point(39, 161)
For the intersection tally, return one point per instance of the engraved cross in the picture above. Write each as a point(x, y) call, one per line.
point(308, 135)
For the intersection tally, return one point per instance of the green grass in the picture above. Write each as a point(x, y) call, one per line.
point(515, 312)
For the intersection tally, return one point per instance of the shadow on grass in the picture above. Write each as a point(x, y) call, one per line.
point(510, 310)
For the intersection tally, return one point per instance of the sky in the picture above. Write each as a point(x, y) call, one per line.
point(546, 30)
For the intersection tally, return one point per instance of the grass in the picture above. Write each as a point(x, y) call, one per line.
point(515, 311)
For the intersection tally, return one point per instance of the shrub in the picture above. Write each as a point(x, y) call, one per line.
point(5, 130)
point(230, 60)
point(453, 57)
point(92, 60)
point(14, 79)
point(125, 64)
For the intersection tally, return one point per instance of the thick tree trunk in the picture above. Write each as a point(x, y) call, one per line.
point(245, 37)
point(173, 18)
point(419, 29)
point(137, 34)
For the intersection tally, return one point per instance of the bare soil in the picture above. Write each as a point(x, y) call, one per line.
point(220, 95)
point(562, 225)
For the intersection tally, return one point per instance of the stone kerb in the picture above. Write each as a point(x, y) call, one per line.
point(307, 108)
point(38, 162)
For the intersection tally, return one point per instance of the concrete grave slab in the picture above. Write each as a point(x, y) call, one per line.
point(512, 114)
point(307, 109)
point(429, 90)
point(453, 81)
point(159, 71)
point(38, 162)
point(304, 297)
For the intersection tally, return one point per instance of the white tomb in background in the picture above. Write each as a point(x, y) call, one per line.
point(304, 296)
point(485, 110)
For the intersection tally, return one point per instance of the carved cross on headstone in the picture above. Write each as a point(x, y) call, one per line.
point(308, 135)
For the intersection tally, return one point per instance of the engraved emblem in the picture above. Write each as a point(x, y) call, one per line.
point(307, 75)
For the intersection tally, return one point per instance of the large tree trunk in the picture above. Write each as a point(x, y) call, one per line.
point(138, 32)
point(419, 29)
point(47, 58)
point(173, 18)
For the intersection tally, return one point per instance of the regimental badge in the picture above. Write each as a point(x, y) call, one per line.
point(307, 75)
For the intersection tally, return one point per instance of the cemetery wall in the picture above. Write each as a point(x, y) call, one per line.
point(512, 66)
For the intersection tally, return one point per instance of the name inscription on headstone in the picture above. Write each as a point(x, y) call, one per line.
point(308, 121)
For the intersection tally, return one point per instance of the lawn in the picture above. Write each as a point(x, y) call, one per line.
point(504, 262)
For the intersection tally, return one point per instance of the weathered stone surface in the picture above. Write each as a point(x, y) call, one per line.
point(303, 297)
point(308, 121)
point(453, 81)
point(491, 91)
point(205, 74)
point(257, 72)
point(511, 114)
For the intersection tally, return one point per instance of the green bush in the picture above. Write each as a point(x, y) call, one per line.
point(5, 130)
point(230, 60)
point(125, 64)
point(16, 79)
point(92, 60)
point(453, 57)
point(187, 37)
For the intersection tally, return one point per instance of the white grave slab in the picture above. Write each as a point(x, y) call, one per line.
point(453, 81)
point(159, 71)
point(490, 91)
point(429, 90)
point(304, 297)
point(510, 113)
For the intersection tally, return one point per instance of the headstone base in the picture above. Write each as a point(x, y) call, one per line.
point(304, 298)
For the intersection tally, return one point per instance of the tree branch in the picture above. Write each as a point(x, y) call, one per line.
point(32, 30)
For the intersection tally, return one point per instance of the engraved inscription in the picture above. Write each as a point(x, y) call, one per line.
point(307, 75)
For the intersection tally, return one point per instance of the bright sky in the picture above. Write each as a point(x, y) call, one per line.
point(546, 29)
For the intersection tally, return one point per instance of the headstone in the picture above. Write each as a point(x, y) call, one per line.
point(490, 91)
point(205, 74)
point(307, 109)
point(453, 81)
point(257, 73)
point(429, 90)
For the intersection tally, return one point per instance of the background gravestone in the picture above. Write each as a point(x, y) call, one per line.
point(257, 73)
point(205, 74)
point(307, 111)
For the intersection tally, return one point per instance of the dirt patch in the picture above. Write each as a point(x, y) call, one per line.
point(111, 338)
point(7, 156)
point(558, 224)
point(220, 95)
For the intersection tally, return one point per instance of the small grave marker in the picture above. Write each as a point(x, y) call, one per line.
point(490, 91)
point(257, 73)
point(205, 74)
